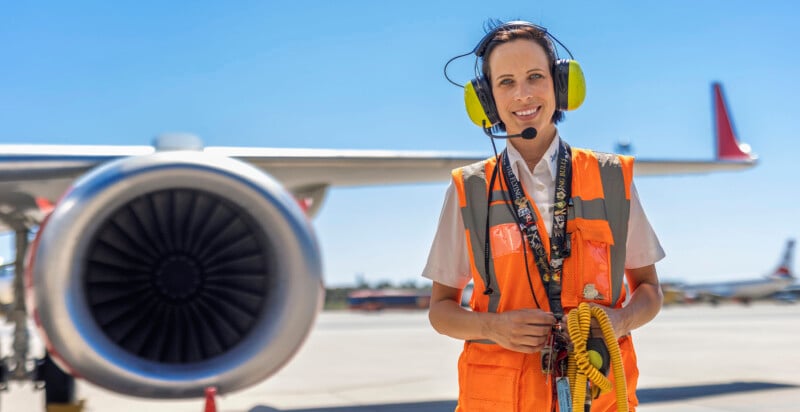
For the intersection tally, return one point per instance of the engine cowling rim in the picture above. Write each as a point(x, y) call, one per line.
point(126, 373)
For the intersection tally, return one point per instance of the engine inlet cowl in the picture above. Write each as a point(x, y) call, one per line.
point(161, 275)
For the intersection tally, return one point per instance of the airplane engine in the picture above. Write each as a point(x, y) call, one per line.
point(161, 275)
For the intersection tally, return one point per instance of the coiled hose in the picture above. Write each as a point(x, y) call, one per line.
point(579, 366)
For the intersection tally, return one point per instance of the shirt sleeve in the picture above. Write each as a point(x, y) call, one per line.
point(643, 247)
point(448, 260)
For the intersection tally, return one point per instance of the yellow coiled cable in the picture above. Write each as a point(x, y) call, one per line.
point(579, 368)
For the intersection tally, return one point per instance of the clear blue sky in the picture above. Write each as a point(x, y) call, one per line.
point(368, 75)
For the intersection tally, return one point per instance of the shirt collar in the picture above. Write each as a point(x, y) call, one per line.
point(547, 162)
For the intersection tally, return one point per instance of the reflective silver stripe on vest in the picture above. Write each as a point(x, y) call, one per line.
point(587, 209)
point(617, 213)
point(474, 215)
point(498, 195)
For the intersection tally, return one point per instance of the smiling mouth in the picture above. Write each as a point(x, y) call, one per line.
point(528, 112)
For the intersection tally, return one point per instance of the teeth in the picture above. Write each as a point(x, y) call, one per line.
point(527, 112)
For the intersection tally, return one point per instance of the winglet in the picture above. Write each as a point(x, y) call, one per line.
point(728, 146)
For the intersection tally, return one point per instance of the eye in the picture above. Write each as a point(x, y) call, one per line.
point(505, 82)
point(536, 76)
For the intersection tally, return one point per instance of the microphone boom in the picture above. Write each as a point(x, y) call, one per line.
point(527, 134)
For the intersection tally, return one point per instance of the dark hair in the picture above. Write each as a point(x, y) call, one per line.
point(514, 32)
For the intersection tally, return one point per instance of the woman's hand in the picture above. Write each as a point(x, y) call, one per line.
point(615, 318)
point(522, 330)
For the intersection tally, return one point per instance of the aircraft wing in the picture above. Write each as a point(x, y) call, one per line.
point(646, 167)
point(33, 176)
point(37, 175)
point(41, 173)
point(47, 170)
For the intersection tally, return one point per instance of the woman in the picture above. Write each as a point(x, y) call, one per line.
point(506, 225)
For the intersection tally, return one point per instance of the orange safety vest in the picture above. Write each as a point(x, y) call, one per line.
point(495, 379)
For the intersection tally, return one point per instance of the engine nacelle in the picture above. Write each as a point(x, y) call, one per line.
point(161, 275)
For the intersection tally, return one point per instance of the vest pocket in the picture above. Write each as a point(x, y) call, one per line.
point(587, 272)
point(505, 240)
point(490, 378)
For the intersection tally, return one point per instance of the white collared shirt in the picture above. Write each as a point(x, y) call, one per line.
point(448, 260)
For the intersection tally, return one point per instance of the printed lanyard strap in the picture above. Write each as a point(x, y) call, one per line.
point(559, 243)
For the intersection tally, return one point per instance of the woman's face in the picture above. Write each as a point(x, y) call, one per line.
point(522, 86)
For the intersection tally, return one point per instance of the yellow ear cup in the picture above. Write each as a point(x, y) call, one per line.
point(474, 107)
point(576, 86)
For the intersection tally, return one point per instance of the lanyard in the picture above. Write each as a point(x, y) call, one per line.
point(559, 243)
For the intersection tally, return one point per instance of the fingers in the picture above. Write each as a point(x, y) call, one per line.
point(530, 336)
point(535, 316)
point(525, 330)
point(527, 345)
point(613, 317)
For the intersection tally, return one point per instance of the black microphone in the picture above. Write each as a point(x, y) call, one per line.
point(527, 134)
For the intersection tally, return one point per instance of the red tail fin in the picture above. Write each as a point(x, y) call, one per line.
point(728, 147)
point(784, 269)
point(783, 272)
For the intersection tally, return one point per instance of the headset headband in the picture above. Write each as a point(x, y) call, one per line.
point(480, 49)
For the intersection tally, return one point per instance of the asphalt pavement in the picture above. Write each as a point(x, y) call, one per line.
point(691, 359)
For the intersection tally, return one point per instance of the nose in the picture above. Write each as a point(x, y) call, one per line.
point(524, 92)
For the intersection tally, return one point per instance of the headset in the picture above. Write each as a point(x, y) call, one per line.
point(568, 81)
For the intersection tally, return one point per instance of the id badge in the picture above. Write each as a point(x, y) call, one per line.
point(564, 394)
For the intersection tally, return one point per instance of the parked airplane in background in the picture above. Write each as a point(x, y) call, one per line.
point(162, 271)
point(744, 290)
point(379, 299)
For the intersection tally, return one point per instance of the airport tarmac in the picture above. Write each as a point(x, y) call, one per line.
point(691, 359)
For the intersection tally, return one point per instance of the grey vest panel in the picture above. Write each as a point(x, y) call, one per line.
point(474, 215)
point(617, 212)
